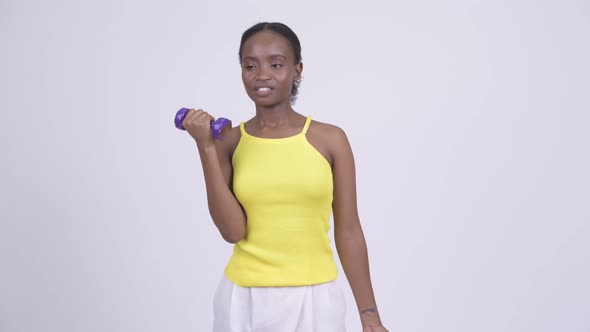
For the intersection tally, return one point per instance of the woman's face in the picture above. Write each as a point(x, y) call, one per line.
point(269, 69)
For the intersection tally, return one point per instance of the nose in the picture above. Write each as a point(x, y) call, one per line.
point(262, 75)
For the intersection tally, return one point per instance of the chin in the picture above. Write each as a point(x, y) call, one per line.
point(264, 102)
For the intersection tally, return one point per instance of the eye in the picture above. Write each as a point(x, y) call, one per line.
point(277, 65)
point(249, 67)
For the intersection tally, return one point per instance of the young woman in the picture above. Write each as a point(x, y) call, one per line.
point(272, 184)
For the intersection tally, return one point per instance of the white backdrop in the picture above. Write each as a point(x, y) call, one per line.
point(469, 121)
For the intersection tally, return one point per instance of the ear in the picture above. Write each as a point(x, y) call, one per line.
point(298, 70)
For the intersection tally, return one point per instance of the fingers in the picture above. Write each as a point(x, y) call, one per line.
point(196, 116)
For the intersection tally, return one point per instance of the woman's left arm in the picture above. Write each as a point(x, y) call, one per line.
point(348, 233)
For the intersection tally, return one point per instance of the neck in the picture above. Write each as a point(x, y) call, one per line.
point(275, 116)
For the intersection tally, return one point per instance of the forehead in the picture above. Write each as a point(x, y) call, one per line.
point(266, 42)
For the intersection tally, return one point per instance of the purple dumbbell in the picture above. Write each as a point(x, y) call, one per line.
point(219, 126)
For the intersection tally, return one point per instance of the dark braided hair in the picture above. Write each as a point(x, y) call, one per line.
point(284, 31)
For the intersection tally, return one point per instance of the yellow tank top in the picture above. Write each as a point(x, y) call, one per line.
point(285, 186)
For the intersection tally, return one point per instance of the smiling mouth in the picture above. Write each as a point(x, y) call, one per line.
point(263, 91)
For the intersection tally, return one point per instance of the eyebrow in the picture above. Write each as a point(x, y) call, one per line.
point(256, 59)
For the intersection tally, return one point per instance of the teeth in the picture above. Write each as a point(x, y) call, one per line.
point(263, 89)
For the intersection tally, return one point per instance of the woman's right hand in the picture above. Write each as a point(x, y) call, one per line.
point(198, 124)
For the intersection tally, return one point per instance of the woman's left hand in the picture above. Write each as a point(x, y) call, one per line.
point(371, 321)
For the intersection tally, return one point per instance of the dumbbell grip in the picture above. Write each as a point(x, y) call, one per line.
point(218, 127)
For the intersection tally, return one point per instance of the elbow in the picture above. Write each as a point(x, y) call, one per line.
point(348, 237)
point(231, 227)
point(350, 231)
point(231, 239)
point(234, 236)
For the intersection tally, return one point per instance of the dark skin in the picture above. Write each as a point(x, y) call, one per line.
point(268, 72)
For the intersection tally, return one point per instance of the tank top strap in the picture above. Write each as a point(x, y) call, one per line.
point(242, 130)
point(306, 125)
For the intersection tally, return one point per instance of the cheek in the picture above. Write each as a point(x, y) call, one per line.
point(288, 79)
point(246, 77)
point(283, 76)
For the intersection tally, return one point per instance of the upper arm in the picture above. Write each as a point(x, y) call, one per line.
point(225, 150)
point(345, 199)
point(224, 163)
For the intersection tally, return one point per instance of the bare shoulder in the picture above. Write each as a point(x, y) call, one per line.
point(330, 140)
point(328, 133)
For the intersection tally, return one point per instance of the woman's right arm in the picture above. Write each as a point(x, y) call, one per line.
point(225, 210)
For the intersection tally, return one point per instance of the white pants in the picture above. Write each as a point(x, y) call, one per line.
point(315, 308)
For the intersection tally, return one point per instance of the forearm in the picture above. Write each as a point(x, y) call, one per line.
point(225, 210)
point(352, 250)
